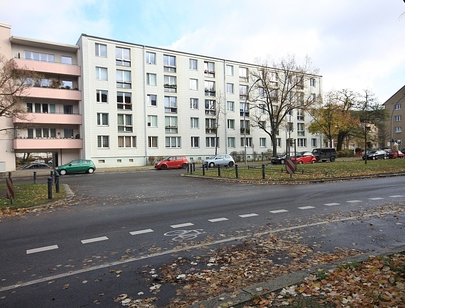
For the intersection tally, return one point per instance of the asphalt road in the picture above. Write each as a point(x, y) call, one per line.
point(127, 220)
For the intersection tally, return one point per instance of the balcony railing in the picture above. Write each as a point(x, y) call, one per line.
point(47, 143)
point(50, 118)
point(49, 67)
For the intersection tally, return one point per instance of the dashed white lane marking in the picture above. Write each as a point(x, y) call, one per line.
point(306, 207)
point(278, 211)
point(187, 224)
point(331, 204)
point(248, 215)
point(354, 201)
point(377, 198)
point(40, 249)
point(95, 239)
point(141, 231)
point(397, 196)
point(218, 219)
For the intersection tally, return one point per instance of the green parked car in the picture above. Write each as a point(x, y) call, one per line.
point(77, 166)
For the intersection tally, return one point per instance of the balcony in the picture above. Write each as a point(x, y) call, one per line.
point(50, 118)
point(47, 143)
point(64, 94)
point(210, 92)
point(49, 67)
point(245, 131)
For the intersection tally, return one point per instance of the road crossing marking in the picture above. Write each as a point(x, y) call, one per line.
point(278, 211)
point(248, 215)
point(218, 219)
point(331, 204)
point(95, 239)
point(354, 201)
point(377, 198)
point(306, 207)
point(187, 224)
point(141, 231)
point(397, 196)
point(41, 249)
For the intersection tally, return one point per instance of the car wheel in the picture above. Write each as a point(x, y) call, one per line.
point(91, 170)
point(211, 165)
point(62, 172)
point(332, 159)
point(184, 166)
point(230, 164)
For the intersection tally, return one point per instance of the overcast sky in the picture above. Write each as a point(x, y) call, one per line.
point(355, 44)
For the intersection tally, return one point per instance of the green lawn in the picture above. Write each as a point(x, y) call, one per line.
point(308, 172)
point(27, 195)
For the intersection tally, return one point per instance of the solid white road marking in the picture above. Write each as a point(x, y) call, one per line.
point(278, 211)
point(218, 219)
point(306, 207)
point(377, 198)
point(331, 204)
point(40, 249)
point(187, 224)
point(354, 201)
point(141, 231)
point(396, 196)
point(248, 215)
point(95, 239)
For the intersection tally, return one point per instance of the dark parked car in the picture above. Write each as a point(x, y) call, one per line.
point(375, 154)
point(36, 166)
point(77, 166)
point(280, 159)
point(325, 154)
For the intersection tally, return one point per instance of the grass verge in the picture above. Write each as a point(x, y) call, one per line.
point(29, 195)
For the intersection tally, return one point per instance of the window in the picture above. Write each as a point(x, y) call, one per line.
point(245, 126)
point(211, 142)
point(102, 119)
point(209, 88)
point(397, 118)
point(209, 69)
point(278, 142)
point(173, 142)
point(263, 142)
point(152, 142)
point(231, 142)
point(193, 64)
point(300, 129)
point(243, 91)
point(244, 109)
point(210, 125)
point(124, 122)
point(301, 142)
point(152, 121)
point(127, 141)
point(397, 106)
point(151, 79)
point(210, 107)
point(194, 122)
point(300, 115)
point(124, 100)
point(124, 79)
point(229, 70)
point(101, 73)
point(314, 142)
point(123, 56)
point(193, 84)
point(101, 96)
point(312, 82)
point(243, 74)
point(397, 129)
point(230, 88)
point(150, 57)
point(170, 83)
point(41, 108)
point(231, 124)
point(38, 56)
point(100, 50)
point(103, 141)
point(68, 133)
point(194, 142)
point(152, 100)
point(194, 103)
point(170, 104)
point(246, 142)
point(68, 109)
point(230, 105)
point(171, 125)
point(169, 63)
point(66, 60)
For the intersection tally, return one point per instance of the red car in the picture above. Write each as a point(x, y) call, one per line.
point(172, 162)
point(306, 158)
point(396, 154)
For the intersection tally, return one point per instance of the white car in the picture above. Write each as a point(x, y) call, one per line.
point(225, 160)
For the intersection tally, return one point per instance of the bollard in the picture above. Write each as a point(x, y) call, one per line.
point(263, 171)
point(35, 177)
point(57, 183)
point(219, 171)
point(50, 187)
point(194, 166)
point(203, 169)
point(237, 172)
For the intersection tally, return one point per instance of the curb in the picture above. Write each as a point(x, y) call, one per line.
point(248, 293)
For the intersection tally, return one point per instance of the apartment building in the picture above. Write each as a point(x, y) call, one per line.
point(394, 127)
point(121, 103)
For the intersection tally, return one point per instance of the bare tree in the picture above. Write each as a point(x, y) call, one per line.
point(14, 83)
point(275, 92)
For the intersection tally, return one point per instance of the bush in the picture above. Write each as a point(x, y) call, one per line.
point(345, 153)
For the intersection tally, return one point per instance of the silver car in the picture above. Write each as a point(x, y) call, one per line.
point(225, 160)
